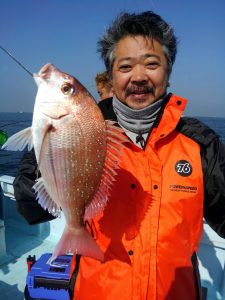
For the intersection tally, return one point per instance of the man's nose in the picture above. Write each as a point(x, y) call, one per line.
point(139, 75)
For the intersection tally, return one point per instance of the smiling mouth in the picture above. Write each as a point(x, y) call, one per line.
point(138, 91)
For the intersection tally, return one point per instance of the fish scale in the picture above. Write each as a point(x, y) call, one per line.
point(64, 158)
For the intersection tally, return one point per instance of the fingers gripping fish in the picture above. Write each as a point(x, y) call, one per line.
point(77, 153)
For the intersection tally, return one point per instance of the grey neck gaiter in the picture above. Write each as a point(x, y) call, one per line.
point(136, 121)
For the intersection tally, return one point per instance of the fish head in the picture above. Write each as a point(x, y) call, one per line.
point(59, 93)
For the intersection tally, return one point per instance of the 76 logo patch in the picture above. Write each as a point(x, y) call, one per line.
point(183, 168)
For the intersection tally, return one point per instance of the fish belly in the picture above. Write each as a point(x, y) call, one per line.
point(71, 164)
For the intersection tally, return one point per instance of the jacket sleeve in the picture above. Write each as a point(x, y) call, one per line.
point(27, 204)
point(213, 166)
point(213, 160)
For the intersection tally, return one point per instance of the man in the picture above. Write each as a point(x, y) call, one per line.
point(172, 175)
point(104, 85)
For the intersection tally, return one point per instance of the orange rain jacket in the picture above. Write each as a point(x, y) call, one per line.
point(152, 224)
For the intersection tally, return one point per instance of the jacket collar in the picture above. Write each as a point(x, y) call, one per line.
point(167, 120)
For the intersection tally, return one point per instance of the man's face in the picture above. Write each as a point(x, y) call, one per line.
point(140, 71)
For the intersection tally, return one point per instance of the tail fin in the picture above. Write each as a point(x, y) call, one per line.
point(78, 242)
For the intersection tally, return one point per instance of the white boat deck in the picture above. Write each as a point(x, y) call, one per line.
point(14, 266)
point(18, 240)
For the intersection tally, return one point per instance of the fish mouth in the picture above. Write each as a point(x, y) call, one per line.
point(44, 73)
point(46, 70)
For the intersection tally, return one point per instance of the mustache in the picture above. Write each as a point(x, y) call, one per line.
point(138, 90)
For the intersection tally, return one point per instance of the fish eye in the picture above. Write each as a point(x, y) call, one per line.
point(67, 88)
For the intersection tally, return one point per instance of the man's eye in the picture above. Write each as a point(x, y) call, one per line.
point(125, 68)
point(152, 65)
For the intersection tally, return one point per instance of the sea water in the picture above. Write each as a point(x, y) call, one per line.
point(14, 122)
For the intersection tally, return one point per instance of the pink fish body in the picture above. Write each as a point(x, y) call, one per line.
point(76, 152)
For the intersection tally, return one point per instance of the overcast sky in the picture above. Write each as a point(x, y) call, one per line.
point(65, 32)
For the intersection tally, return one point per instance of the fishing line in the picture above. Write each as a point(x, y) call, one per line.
point(22, 66)
point(4, 134)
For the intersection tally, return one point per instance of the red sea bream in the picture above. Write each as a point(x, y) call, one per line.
point(77, 152)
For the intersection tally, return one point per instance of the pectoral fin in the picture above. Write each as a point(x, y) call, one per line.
point(20, 140)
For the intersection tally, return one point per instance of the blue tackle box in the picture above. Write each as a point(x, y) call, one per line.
point(50, 281)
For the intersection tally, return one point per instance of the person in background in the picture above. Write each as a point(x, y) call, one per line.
point(172, 174)
point(104, 85)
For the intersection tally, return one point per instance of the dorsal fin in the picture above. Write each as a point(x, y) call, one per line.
point(115, 140)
